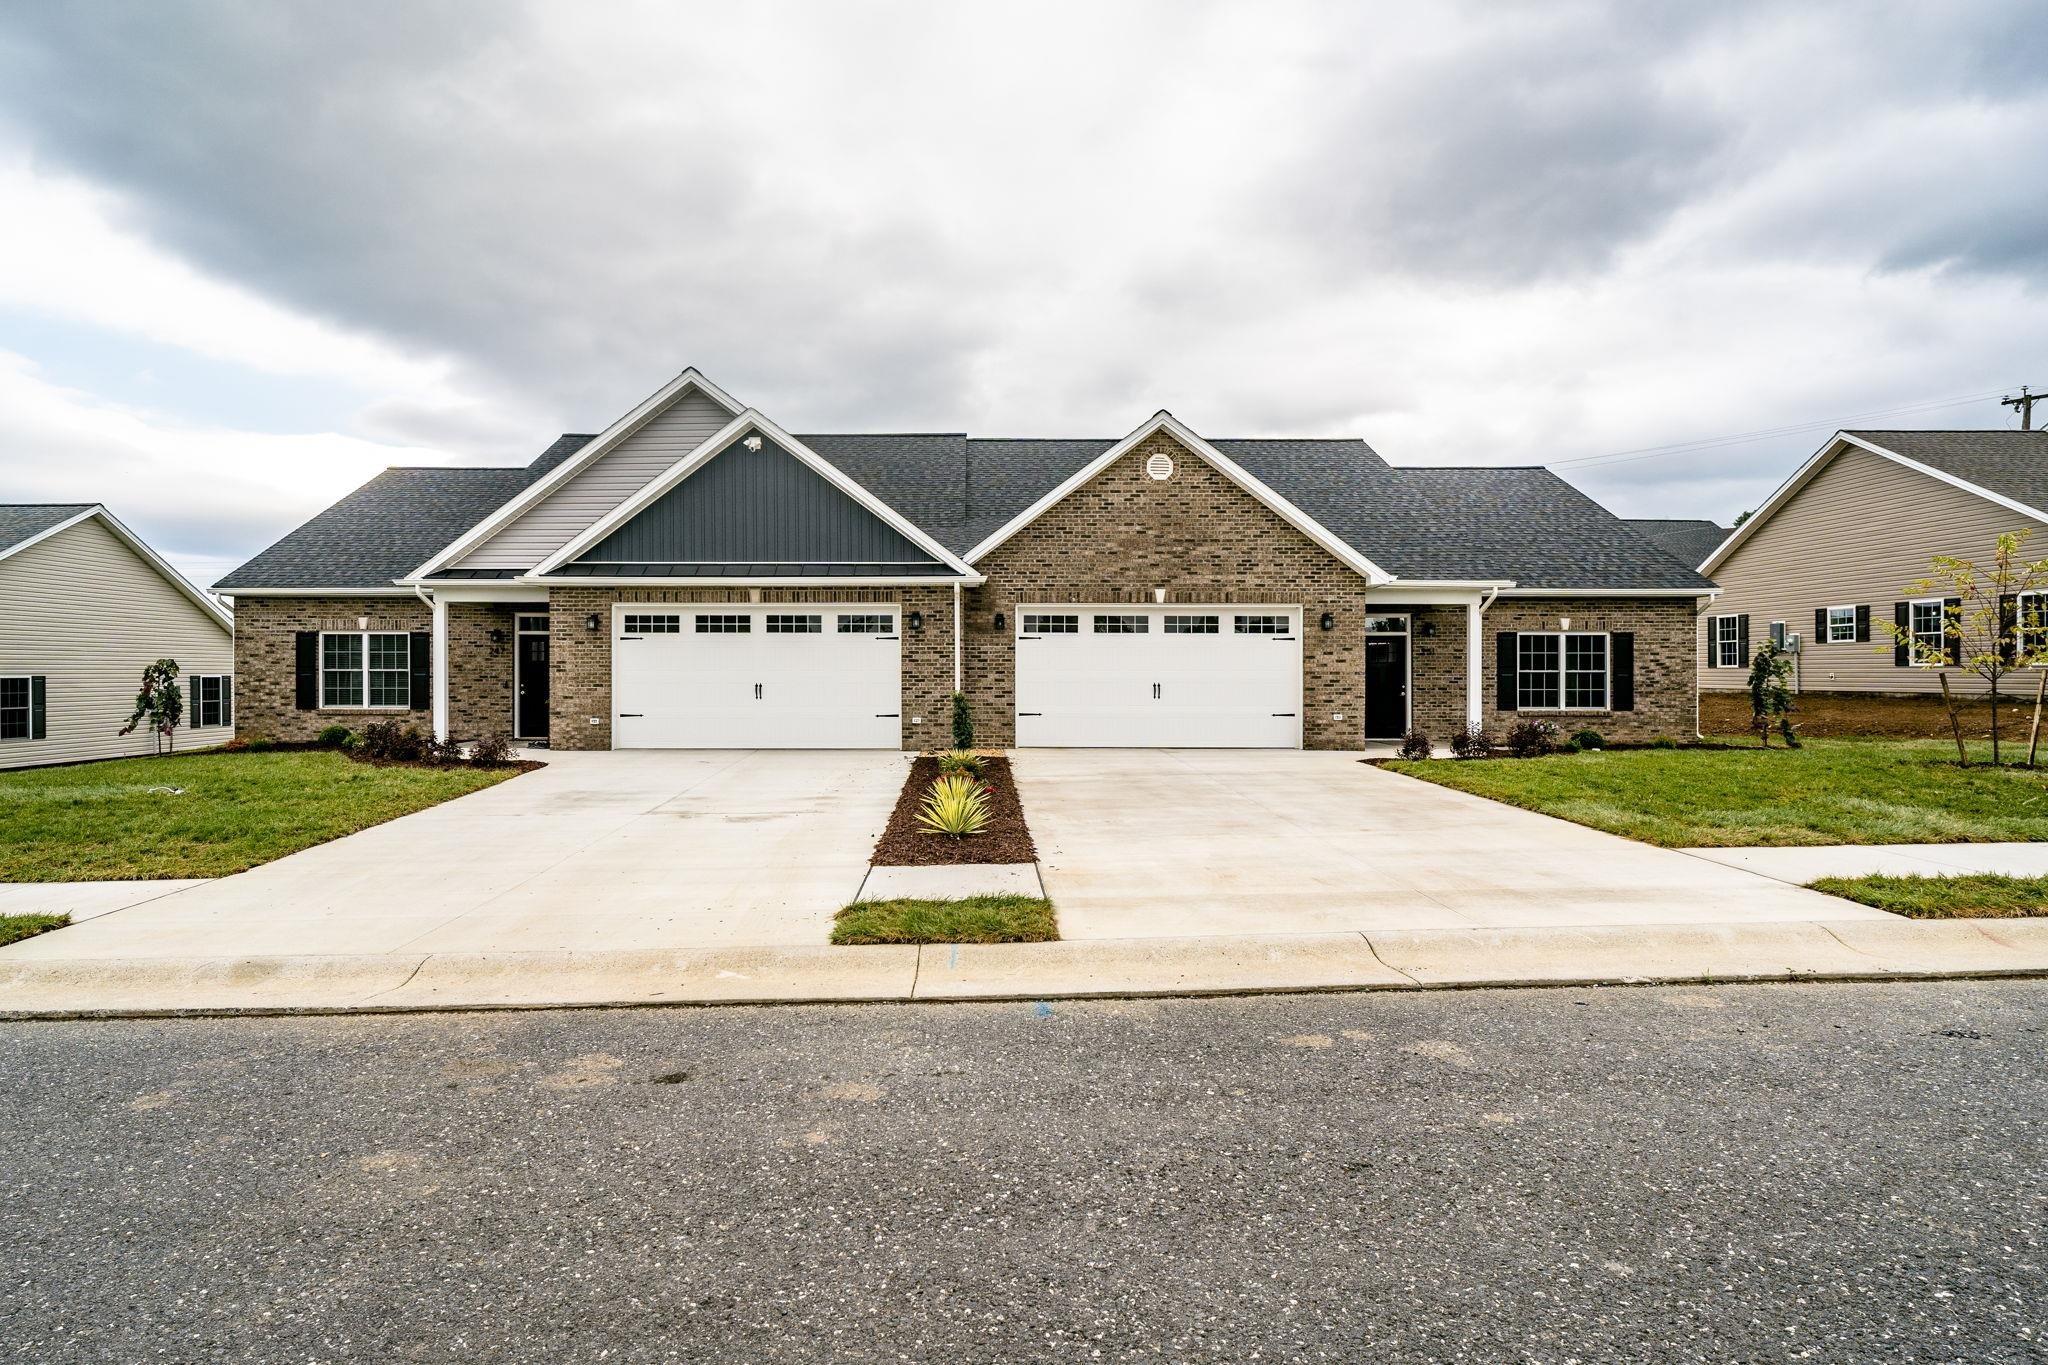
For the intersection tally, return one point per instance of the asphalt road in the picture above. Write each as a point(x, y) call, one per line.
point(1761, 1173)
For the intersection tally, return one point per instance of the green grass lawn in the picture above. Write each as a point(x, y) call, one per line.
point(14, 928)
point(1974, 896)
point(1832, 791)
point(103, 821)
point(970, 919)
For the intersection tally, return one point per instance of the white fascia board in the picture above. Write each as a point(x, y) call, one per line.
point(1610, 592)
point(321, 592)
point(1430, 594)
point(480, 590)
point(532, 495)
point(220, 615)
point(971, 580)
point(749, 420)
point(1223, 464)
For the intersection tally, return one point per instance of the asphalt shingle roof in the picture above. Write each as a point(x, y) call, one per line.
point(2011, 463)
point(21, 520)
point(1687, 540)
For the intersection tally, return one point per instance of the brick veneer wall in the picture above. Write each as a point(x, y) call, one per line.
point(1202, 539)
point(580, 701)
point(480, 669)
point(1436, 691)
point(1666, 700)
point(266, 662)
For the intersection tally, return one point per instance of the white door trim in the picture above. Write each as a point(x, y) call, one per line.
point(519, 664)
point(1407, 638)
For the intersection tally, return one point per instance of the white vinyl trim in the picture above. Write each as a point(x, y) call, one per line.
point(321, 592)
point(735, 581)
point(1563, 672)
point(221, 616)
point(745, 422)
point(1611, 592)
point(1223, 464)
point(532, 495)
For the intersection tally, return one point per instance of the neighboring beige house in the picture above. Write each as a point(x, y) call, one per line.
point(84, 607)
point(1827, 561)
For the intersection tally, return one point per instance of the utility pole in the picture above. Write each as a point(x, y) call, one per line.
point(2025, 403)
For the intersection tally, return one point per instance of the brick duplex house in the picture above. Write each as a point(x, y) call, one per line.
point(697, 577)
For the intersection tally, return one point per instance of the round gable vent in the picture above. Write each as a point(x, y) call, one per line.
point(1160, 466)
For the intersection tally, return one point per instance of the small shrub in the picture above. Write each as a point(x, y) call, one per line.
point(1415, 744)
point(491, 749)
point(963, 722)
point(1589, 739)
point(441, 752)
point(335, 737)
point(955, 807)
point(1472, 742)
point(391, 741)
point(1532, 738)
point(1663, 742)
point(960, 763)
point(260, 744)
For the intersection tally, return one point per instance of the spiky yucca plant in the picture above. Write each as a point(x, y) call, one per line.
point(960, 763)
point(955, 807)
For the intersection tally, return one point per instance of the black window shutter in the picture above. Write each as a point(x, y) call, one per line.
point(1902, 617)
point(309, 670)
point(1863, 624)
point(1951, 609)
point(1820, 625)
point(1742, 632)
point(192, 716)
point(227, 699)
point(1505, 657)
point(1621, 669)
point(2008, 617)
point(1713, 642)
point(38, 709)
point(422, 671)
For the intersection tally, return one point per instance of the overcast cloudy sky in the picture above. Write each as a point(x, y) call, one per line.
point(250, 254)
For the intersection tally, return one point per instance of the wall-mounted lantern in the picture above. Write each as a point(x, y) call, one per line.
point(999, 621)
point(916, 622)
point(1425, 628)
point(497, 636)
point(1329, 621)
point(590, 622)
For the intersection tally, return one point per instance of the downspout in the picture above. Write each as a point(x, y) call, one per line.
point(1706, 604)
point(956, 637)
point(439, 648)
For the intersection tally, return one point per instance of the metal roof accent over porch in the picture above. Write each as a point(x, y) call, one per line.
point(748, 507)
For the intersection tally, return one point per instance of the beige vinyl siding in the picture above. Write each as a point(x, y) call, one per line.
point(666, 437)
point(88, 613)
point(1859, 531)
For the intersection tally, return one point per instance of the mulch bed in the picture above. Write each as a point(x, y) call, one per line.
point(1850, 715)
point(1006, 840)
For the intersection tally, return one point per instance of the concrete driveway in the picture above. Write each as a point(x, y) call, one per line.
point(599, 851)
point(1136, 843)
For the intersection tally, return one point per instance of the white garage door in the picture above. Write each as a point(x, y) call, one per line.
point(1159, 677)
point(744, 677)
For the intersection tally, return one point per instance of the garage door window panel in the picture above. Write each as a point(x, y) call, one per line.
point(652, 625)
point(866, 623)
point(1191, 625)
point(1052, 625)
point(1123, 625)
point(780, 624)
point(725, 625)
point(1262, 625)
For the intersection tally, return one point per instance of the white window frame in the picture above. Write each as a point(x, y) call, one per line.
point(28, 706)
point(1941, 631)
point(1727, 652)
point(1840, 632)
point(364, 670)
point(2020, 617)
point(225, 680)
point(1563, 672)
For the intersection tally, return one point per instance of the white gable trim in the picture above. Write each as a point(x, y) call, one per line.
point(1842, 441)
point(741, 425)
point(531, 496)
point(1223, 464)
point(97, 511)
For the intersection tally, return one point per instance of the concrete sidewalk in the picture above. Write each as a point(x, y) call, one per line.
point(1809, 863)
point(1382, 960)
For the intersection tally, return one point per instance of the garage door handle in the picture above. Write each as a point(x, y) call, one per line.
point(631, 715)
point(1155, 691)
point(1283, 639)
point(757, 691)
point(1031, 713)
point(885, 637)
point(888, 715)
point(1283, 715)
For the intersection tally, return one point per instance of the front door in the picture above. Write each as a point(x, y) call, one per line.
point(530, 718)
point(1386, 677)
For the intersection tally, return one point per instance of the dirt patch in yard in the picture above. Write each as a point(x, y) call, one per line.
point(1006, 840)
point(1850, 715)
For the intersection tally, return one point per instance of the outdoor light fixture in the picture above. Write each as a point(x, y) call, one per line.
point(915, 620)
point(1329, 621)
point(1425, 628)
point(999, 620)
point(497, 637)
point(590, 621)
point(752, 443)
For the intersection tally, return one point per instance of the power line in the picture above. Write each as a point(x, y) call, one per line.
point(1767, 433)
point(2025, 404)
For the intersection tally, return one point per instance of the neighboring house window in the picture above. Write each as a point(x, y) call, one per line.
point(2033, 621)
point(866, 624)
point(725, 625)
point(14, 708)
point(1556, 671)
point(1261, 625)
point(1051, 625)
point(1728, 641)
point(1928, 631)
point(795, 625)
point(1841, 625)
point(212, 700)
point(1191, 625)
point(372, 669)
point(1778, 634)
point(651, 625)
point(1122, 625)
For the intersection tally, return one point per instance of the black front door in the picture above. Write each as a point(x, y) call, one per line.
point(532, 717)
point(1386, 686)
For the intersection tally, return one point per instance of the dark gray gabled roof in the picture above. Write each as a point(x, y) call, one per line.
point(1688, 540)
point(2013, 464)
point(21, 521)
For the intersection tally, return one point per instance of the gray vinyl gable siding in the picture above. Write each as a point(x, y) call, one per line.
point(1860, 530)
point(599, 488)
point(87, 613)
point(756, 506)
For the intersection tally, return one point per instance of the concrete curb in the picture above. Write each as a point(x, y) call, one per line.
point(1442, 959)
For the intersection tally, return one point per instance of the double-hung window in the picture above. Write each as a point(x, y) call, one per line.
point(2033, 621)
point(1841, 623)
point(213, 700)
point(15, 708)
point(370, 669)
point(1728, 642)
point(1928, 628)
point(1560, 671)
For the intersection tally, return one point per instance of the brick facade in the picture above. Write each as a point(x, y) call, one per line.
point(266, 665)
point(1666, 703)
